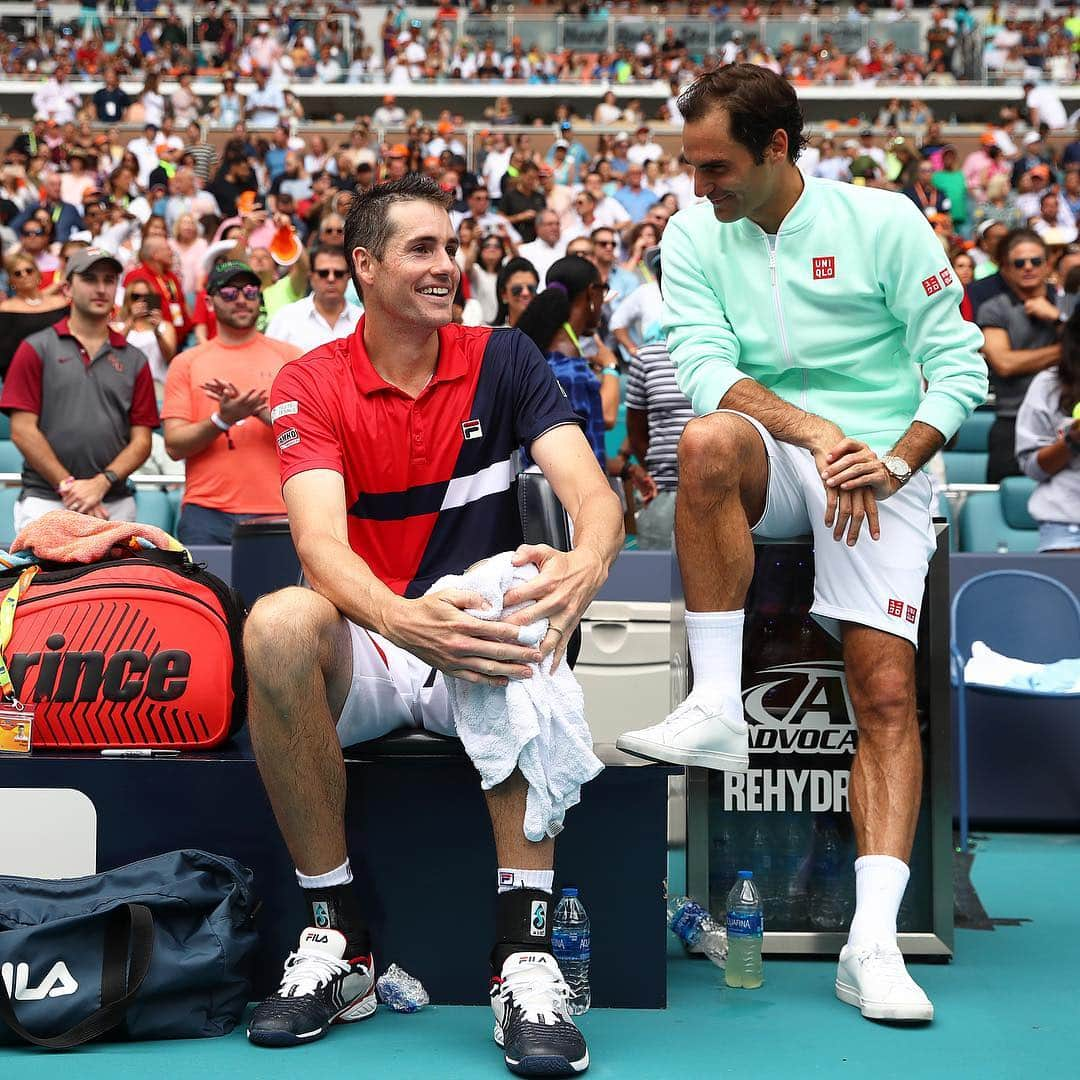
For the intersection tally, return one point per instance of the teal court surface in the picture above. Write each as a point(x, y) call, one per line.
point(1006, 1007)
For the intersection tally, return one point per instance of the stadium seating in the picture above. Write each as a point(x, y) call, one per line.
point(11, 460)
point(965, 461)
point(993, 520)
point(154, 507)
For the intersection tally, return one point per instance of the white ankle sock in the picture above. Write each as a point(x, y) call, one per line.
point(880, 881)
point(716, 649)
point(510, 879)
point(341, 876)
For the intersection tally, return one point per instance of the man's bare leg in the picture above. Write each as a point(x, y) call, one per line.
point(885, 791)
point(723, 478)
point(299, 661)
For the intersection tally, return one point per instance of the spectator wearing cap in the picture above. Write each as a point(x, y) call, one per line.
point(645, 148)
point(563, 167)
point(524, 201)
point(216, 416)
point(111, 102)
point(549, 245)
point(1031, 187)
point(396, 162)
point(81, 402)
point(322, 316)
point(389, 113)
point(634, 197)
point(620, 149)
point(155, 267)
point(64, 217)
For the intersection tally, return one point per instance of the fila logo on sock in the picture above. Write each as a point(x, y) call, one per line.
point(320, 910)
point(471, 429)
point(538, 918)
point(507, 878)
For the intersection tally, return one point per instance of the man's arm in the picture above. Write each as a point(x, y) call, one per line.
point(637, 431)
point(436, 627)
point(568, 581)
point(1007, 362)
point(35, 448)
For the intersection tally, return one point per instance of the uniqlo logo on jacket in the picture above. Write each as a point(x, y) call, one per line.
point(896, 609)
point(824, 267)
point(931, 285)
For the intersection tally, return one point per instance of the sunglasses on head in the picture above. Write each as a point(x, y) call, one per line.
point(231, 293)
point(332, 274)
point(517, 290)
point(1037, 260)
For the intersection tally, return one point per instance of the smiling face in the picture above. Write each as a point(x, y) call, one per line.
point(725, 172)
point(415, 280)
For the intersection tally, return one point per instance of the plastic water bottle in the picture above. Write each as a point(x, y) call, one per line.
point(571, 943)
point(697, 929)
point(745, 927)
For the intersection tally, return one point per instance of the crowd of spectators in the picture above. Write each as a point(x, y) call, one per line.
point(324, 42)
point(170, 207)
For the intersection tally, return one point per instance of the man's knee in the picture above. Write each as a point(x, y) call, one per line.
point(883, 697)
point(717, 449)
point(288, 630)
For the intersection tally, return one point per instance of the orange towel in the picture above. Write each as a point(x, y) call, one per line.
point(64, 536)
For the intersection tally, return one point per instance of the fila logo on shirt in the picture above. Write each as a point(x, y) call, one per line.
point(471, 429)
point(824, 267)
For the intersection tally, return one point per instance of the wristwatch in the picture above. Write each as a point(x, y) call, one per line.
point(897, 468)
point(1070, 442)
point(110, 476)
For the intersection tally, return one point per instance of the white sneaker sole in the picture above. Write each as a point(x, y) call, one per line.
point(578, 1066)
point(914, 1013)
point(673, 755)
point(359, 1010)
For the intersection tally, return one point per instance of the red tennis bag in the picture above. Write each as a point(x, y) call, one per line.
point(141, 651)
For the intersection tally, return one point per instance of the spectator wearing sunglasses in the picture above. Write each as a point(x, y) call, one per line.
point(515, 288)
point(322, 316)
point(1022, 331)
point(27, 311)
point(216, 415)
point(65, 218)
point(34, 237)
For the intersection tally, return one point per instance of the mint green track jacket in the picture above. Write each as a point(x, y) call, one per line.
point(840, 318)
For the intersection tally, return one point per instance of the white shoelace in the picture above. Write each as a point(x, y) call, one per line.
point(539, 990)
point(890, 965)
point(306, 972)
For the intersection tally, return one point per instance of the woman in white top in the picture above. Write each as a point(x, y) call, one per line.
point(141, 323)
point(483, 261)
point(607, 112)
point(152, 101)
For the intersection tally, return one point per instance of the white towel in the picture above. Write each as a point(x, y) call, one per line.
point(537, 724)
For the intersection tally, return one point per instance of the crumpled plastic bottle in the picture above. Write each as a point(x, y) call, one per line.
point(398, 990)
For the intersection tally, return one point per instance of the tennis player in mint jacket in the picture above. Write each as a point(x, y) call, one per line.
point(802, 317)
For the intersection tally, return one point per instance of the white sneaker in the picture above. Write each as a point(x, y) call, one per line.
point(693, 735)
point(877, 983)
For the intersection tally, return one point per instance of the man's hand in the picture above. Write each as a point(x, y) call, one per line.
point(643, 482)
point(560, 593)
point(846, 507)
point(85, 496)
point(1039, 307)
point(232, 405)
point(438, 629)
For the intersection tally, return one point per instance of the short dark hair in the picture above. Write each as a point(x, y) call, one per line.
point(757, 103)
point(333, 251)
point(368, 224)
point(1013, 239)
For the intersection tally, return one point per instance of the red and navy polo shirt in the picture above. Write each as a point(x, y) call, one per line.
point(430, 482)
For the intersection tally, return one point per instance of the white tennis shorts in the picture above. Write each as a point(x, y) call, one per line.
point(876, 583)
point(391, 689)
